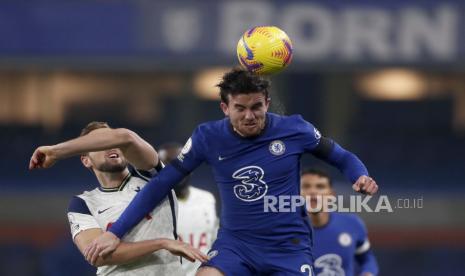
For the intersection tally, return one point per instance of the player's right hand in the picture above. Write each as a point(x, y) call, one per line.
point(102, 246)
point(42, 158)
point(185, 250)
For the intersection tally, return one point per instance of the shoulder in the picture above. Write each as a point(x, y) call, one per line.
point(211, 127)
point(144, 175)
point(78, 204)
point(203, 195)
point(293, 123)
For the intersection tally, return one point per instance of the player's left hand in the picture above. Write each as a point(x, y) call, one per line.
point(365, 185)
point(102, 246)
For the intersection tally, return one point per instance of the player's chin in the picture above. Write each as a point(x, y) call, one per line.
point(251, 132)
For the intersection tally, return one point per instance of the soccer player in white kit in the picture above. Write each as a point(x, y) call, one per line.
point(151, 247)
point(197, 220)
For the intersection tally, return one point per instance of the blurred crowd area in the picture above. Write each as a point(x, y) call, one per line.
point(386, 80)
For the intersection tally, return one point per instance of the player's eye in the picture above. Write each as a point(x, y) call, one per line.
point(257, 106)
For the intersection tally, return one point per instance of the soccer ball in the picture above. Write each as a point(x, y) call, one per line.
point(264, 50)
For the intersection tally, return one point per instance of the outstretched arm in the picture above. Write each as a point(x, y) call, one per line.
point(128, 252)
point(136, 150)
point(367, 262)
point(191, 156)
point(144, 202)
point(348, 163)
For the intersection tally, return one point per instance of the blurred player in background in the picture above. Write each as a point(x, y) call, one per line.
point(252, 153)
point(197, 220)
point(106, 151)
point(339, 239)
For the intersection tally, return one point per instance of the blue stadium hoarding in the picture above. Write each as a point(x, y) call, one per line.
point(206, 32)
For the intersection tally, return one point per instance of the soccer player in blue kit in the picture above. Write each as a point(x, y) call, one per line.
point(339, 239)
point(252, 153)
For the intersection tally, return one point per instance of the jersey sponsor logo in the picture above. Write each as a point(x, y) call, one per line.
point(330, 265)
point(277, 147)
point(306, 268)
point(221, 158)
point(252, 186)
point(317, 133)
point(137, 189)
point(345, 239)
point(101, 211)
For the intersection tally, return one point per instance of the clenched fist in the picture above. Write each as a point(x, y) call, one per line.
point(42, 158)
point(365, 185)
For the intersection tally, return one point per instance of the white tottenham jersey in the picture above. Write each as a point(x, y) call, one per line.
point(101, 207)
point(197, 223)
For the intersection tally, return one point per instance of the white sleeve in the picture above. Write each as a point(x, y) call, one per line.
point(79, 216)
point(79, 222)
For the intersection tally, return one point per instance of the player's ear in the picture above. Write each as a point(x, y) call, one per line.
point(267, 103)
point(225, 108)
point(86, 161)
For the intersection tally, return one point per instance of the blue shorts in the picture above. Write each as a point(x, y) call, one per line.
point(235, 257)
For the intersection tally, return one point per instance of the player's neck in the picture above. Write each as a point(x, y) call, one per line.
point(319, 219)
point(111, 180)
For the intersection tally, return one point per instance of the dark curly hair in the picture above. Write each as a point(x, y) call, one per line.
point(240, 81)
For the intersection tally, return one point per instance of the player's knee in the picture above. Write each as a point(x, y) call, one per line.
point(208, 271)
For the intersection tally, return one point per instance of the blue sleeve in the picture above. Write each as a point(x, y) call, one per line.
point(160, 185)
point(347, 162)
point(193, 153)
point(367, 262)
point(146, 200)
point(329, 151)
point(363, 254)
point(310, 136)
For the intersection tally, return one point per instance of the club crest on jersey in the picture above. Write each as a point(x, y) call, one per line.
point(277, 147)
point(345, 239)
point(252, 186)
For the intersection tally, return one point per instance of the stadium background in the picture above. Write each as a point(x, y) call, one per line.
point(385, 79)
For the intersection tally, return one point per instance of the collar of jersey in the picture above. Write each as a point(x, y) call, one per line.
point(119, 188)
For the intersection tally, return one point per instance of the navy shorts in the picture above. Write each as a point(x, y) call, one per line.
point(235, 257)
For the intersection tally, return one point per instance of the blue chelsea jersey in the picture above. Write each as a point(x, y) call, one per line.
point(247, 170)
point(337, 243)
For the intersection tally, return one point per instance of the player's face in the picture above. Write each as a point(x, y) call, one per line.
point(110, 161)
point(314, 186)
point(247, 113)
